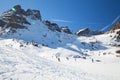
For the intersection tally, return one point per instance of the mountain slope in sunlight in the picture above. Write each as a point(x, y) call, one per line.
point(33, 49)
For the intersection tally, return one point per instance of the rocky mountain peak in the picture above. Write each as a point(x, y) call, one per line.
point(16, 17)
point(34, 14)
point(18, 9)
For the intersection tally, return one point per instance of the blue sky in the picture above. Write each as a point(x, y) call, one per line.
point(76, 14)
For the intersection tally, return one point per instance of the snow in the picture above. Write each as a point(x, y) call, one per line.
point(40, 33)
point(66, 56)
point(23, 64)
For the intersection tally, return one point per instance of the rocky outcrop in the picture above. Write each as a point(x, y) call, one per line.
point(52, 26)
point(116, 39)
point(16, 17)
point(66, 30)
point(46, 22)
point(87, 32)
point(18, 10)
point(55, 27)
point(116, 36)
point(2, 23)
point(34, 14)
point(117, 26)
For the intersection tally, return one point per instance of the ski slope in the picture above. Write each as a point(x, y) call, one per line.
point(35, 63)
point(57, 56)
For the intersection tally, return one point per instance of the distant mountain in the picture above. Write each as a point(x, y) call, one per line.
point(87, 32)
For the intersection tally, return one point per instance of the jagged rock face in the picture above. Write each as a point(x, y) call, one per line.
point(19, 10)
point(52, 26)
point(2, 23)
point(34, 14)
point(116, 39)
point(55, 27)
point(118, 36)
point(66, 30)
point(117, 26)
point(16, 17)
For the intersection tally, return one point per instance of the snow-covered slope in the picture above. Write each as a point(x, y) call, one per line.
point(28, 63)
point(30, 29)
point(39, 33)
point(28, 26)
point(37, 53)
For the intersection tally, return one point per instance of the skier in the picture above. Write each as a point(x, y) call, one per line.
point(92, 60)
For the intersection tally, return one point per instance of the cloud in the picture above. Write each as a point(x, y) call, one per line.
point(61, 20)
